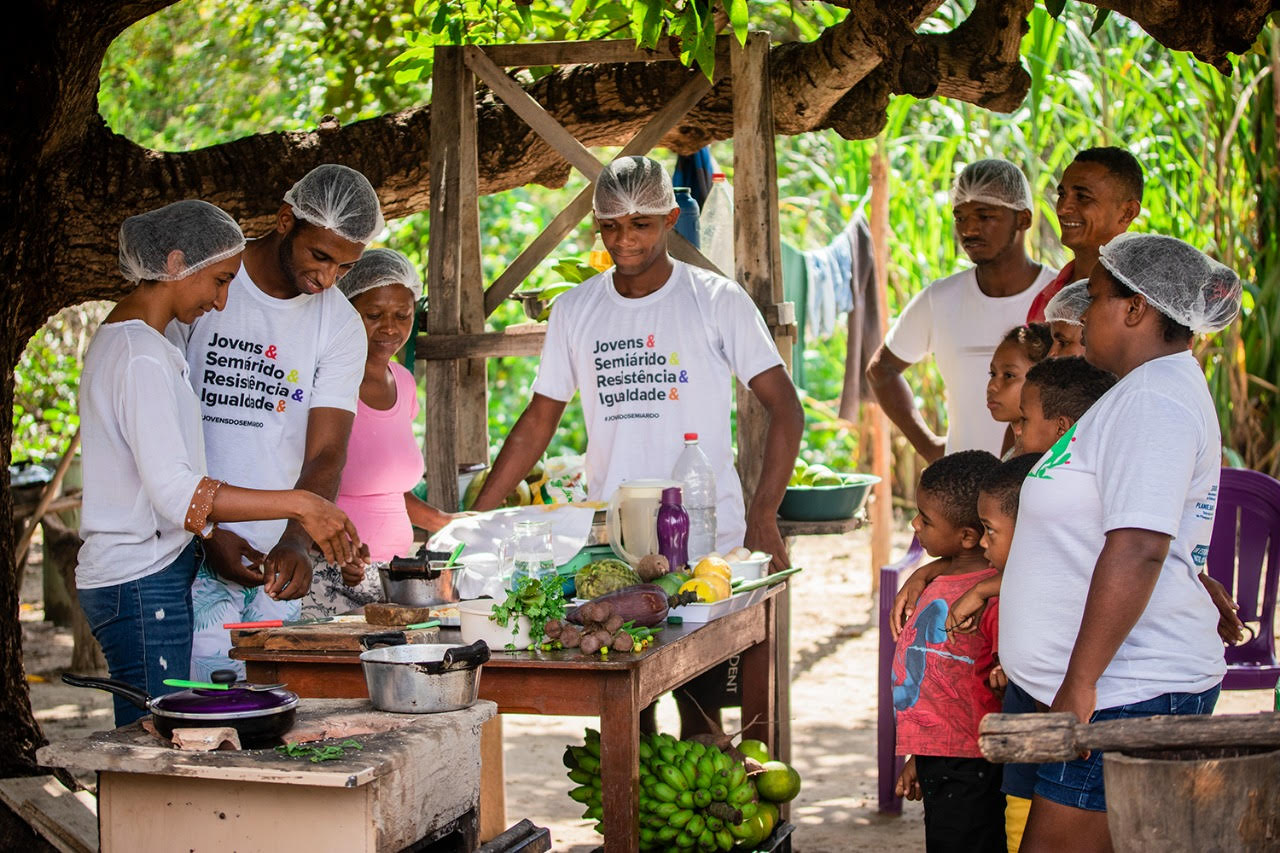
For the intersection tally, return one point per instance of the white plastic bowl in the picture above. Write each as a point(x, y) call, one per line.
point(751, 568)
point(474, 621)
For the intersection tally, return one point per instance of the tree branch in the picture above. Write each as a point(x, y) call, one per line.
point(1209, 30)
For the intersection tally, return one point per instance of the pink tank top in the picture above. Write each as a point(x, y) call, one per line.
point(383, 462)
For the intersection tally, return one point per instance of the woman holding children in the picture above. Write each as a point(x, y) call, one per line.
point(1102, 614)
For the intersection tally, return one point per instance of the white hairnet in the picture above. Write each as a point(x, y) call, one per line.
point(1179, 280)
point(1068, 304)
point(633, 185)
point(997, 182)
point(340, 199)
point(378, 268)
point(203, 233)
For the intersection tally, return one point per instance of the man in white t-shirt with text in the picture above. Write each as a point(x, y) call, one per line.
point(653, 345)
point(961, 319)
point(277, 373)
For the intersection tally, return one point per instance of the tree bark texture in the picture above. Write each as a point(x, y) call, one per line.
point(67, 181)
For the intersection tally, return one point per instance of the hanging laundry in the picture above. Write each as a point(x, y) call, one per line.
point(829, 270)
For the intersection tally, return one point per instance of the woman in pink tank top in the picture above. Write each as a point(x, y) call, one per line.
point(384, 461)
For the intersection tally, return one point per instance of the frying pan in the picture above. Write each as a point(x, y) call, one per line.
point(260, 717)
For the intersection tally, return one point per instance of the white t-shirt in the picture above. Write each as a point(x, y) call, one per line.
point(258, 367)
point(962, 326)
point(652, 369)
point(1147, 456)
point(143, 454)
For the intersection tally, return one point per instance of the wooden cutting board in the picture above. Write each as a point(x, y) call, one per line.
point(322, 637)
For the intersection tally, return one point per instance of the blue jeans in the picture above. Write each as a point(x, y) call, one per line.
point(1078, 783)
point(144, 627)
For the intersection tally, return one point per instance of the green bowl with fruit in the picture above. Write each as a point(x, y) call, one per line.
point(816, 493)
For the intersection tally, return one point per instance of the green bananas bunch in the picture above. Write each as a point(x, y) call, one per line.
point(693, 797)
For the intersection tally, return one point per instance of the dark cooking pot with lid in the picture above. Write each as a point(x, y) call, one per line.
point(260, 717)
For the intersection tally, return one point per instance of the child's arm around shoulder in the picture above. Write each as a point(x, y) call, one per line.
point(963, 616)
point(904, 603)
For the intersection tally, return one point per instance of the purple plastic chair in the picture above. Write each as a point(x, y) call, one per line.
point(888, 764)
point(1244, 556)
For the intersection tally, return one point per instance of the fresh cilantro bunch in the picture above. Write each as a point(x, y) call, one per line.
point(540, 600)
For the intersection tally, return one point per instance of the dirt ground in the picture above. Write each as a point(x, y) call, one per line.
point(833, 697)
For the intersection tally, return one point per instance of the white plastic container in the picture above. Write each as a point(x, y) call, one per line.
point(697, 613)
point(715, 225)
point(752, 568)
point(697, 480)
point(474, 621)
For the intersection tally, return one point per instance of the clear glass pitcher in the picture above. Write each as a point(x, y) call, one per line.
point(528, 553)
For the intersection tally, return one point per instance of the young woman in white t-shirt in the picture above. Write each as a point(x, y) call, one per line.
point(146, 496)
point(1102, 613)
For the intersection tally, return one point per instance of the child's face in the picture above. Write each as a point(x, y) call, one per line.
point(937, 535)
point(1009, 366)
point(1068, 339)
point(1038, 433)
point(997, 530)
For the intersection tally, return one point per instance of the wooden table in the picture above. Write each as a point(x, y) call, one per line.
point(565, 683)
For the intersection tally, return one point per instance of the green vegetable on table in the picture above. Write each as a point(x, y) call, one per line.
point(540, 600)
point(317, 754)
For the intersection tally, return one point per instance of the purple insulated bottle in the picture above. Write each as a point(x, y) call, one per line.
point(673, 530)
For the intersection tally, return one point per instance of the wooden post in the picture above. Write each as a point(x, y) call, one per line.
point(881, 449)
point(473, 379)
point(758, 261)
point(444, 265)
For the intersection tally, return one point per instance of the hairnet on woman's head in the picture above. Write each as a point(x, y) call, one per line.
point(997, 182)
point(203, 233)
point(633, 186)
point(1179, 280)
point(1068, 304)
point(340, 199)
point(378, 268)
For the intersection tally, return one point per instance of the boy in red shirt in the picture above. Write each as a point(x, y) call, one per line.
point(940, 689)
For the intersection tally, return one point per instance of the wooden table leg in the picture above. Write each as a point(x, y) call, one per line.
point(759, 707)
point(493, 791)
point(619, 761)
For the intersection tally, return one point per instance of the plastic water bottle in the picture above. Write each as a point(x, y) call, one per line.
point(687, 224)
point(694, 471)
point(673, 530)
point(715, 227)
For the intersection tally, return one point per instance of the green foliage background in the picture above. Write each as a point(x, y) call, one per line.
point(203, 72)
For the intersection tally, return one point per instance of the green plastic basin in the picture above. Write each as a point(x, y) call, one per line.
point(827, 503)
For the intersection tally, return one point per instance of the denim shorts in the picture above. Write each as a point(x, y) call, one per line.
point(1019, 779)
point(1078, 783)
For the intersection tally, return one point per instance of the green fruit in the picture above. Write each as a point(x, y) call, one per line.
point(680, 818)
point(706, 769)
point(685, 799)
point(742, 795)
point(648, 836)
point(595, 579)
point(779, 783)
point(667, 834)
point(665, 810)
point(685, 841)
point(673, 777)
point(755, 749)
point(570, 759)
point(580, 776)
point(664, 792)
point(582, 794)
point(690, 771)
point(667, 753)
point(695, 825)
point(707, 840)
point(719, 793)
point(589, 763)
point(702, 798)
point(671, 582)
point(749, 810)
point(724, 841)
point(737, 776)
point(715, 824)
point(646, 752)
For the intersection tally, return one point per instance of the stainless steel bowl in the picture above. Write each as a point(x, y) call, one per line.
point(427, 586)
point(420, 679)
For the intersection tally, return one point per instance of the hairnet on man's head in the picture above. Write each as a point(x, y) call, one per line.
point(996, 182)
point(1068, 304)
point(378, 268)
point(1179, 280)
point(338, 198)
point(203, 233)
point(633, 186)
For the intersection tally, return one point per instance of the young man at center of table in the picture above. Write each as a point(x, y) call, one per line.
point(653, 345)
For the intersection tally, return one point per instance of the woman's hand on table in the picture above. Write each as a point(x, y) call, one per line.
point(1230, 628)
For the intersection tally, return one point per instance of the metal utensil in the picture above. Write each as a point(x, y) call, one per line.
point(423, 678)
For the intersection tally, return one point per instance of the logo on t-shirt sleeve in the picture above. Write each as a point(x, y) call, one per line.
point(1059, 455)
